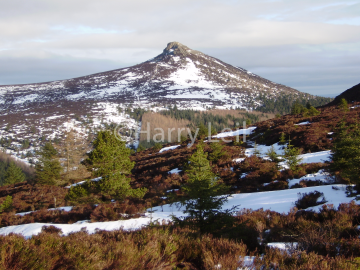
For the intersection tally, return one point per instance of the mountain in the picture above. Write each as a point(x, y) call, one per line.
point(352, 94)
point(179, 75)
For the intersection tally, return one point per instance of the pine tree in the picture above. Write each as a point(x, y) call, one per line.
point(110, 160)
point(346, 153)
point(109, 155)
point(7, 204)
point(311, 111)
point(271, 153)
point(282, 138)
point(256, 150)
point(202, 198)
point(217, 151)
point(48, 169)
point(308, 105)
point(291, 154)
point(343, 105)
point(13, 174)
point(203, 131)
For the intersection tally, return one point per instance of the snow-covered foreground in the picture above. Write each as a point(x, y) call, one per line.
point(280, 201)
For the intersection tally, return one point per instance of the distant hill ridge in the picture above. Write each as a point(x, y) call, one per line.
point(352, 94)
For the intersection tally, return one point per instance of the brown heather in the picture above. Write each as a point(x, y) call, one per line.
point(311, 138)
point(162, 247)
point(150, 248)
point(102, 212)
point(326, 240)
point(27, 197)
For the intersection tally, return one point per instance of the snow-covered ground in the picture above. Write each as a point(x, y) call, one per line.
point(281, 201)
point(176, 170)
point(246, 131)
point(83, 182)
point(321, 156)
point(303, 123)
point(263, 149)
point(168, 148)
point(321, 175)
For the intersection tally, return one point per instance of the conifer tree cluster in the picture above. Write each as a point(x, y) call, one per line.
point(288, 103)
point(309, 110)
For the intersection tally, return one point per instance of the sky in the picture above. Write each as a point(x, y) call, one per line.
point(310, 45)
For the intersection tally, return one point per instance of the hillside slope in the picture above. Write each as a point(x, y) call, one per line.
point(351, 95)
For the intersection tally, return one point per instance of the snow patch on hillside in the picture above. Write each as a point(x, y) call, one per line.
point(189, 76)
point(281, 201)
point(246, 131)
point(169, 148)
point(321, 175)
